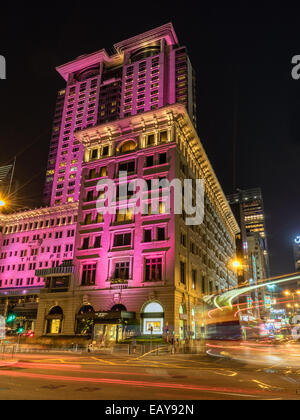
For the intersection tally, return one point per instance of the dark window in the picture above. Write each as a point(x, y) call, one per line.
point(153, 269)
point(161, 234)
point(88, 274)
point(149, 161)
point(97, 243)
point(122, 239)
point(90, 196)
point(182, 272)
point(162, 158)
point(105, 151)
point(122, 270)
point(147, 235)
point(203, 284)
point(85, 243)
point(127, 166)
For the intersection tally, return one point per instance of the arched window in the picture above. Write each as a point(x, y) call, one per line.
point(153, 318)
point(85, 310)
point(56, 310)
point(118, 308)
point(54, 320)
point(127, 146)
point(153, 307)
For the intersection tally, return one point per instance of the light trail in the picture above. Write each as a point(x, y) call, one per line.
point(142, 384)
point(226, 298)
point(73, 368)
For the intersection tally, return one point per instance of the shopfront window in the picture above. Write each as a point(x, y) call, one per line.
point(54, 321)
point(182, 322)
point(153, 319)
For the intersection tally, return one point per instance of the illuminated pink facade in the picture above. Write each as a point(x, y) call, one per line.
point(30, 241)
point(152, 267)
point(133, 111)
point(146, 72)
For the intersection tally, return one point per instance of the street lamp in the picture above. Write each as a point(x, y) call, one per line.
point(236, 264)
point(2, 203)
point(292, 293)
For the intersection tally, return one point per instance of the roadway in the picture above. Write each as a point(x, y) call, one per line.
point(112, 377)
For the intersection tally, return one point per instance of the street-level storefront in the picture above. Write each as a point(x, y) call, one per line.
point(153, 319)
point(113, 326)
point(182, 322)
point(21, 306)
point(54, 320)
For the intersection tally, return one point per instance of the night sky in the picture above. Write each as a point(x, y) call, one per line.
point(241, 55)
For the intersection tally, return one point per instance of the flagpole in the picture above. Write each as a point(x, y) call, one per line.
point(12, 175)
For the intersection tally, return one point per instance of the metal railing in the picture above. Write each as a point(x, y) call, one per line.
point(55, 270)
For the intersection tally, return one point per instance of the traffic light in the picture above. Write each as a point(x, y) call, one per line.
point(10, 318)
point(20, 330)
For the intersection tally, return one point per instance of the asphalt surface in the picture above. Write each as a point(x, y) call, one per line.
point(223, 375)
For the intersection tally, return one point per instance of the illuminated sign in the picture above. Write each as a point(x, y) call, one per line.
point(249, 302)
point(254, 268)
point(267, 302)
point(2, 327)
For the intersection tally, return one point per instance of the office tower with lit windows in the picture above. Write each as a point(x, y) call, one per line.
point(251, 216)
point(145, 73)
point(53, 147)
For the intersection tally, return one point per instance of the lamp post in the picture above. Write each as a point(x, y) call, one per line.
point(236, 264)
point(3, 203)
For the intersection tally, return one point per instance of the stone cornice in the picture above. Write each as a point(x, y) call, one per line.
point(34, 213)
point(87, 60)
point(166, 32)
point(132, 125)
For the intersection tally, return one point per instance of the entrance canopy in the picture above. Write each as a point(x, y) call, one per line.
point(112, 317)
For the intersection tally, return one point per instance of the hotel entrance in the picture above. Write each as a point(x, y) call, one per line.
point(112, 326)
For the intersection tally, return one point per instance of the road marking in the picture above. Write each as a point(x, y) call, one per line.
point(49, 360)
point(265, 386)
point(240, 395)
point(103, 361)
point(143, 384)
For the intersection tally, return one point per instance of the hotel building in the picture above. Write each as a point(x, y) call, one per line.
point(121, 273)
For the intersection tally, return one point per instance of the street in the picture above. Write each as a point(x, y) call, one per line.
point(95, 376)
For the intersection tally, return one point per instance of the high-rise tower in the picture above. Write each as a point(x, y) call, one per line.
point(249, 209)
point(146, 72)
